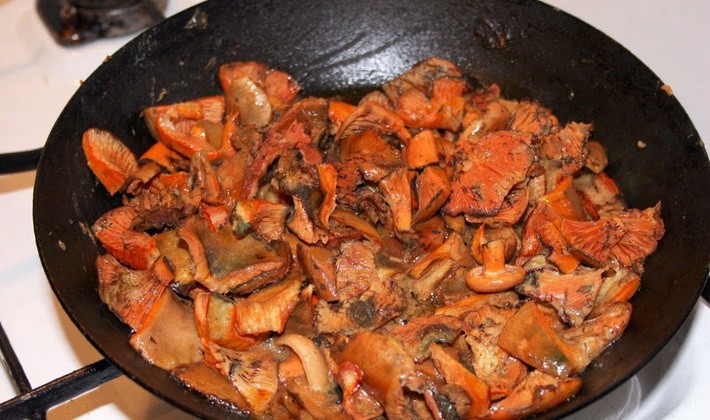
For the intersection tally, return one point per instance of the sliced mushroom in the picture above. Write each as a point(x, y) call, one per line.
point(168, 337)
point(529, 336)
point(225, 263)
point(596, 157)
point(178, 125)
point(268, 309)
point(318, 265)
point(250, 100)
point(357, 402)
point(471, 303)
point(572, 295)
point(477, 186)
point(511, 211)
point(216, 317)
point(355, 270)
point(174, 250)
point(130, 294)
point(204, 178)
point(280, 88)
point(642, 231)
point(599, 193)
point(385, 364)
point(314, 365)
point(202, 378)
point(497, 368)
point(455, 373)
point(371, 115)
point(163, 156)
point(165, 201)
point(327, 179)
point(114, 229)
point(531, 117)
point(422, 150)
point(592, 241)
point(542, 227)
point(108, 158)
point(398, 194)
point(596, 334)
point(618, 285)
point(303, 125)
point(433, 189)
point(261, 216)
point(383, 301)
point(348, 218)
point(566, 146)
point(430, 95)
point(253, 373)
point(477, 124)
point(537, 393)
point(452, 249)
point(420, 332)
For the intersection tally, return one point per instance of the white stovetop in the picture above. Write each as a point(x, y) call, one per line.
point(38, 77)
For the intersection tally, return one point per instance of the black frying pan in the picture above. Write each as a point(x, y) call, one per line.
point(530, 49)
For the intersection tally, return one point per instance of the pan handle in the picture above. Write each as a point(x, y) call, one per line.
point(19, 161)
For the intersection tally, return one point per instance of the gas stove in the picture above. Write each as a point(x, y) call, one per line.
point(38, 76)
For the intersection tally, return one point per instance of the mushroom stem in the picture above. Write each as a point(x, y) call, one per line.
point(494, 256)
point(494, 275)
point(314, 364)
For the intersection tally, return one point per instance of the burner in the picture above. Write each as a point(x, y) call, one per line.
point(73, 22)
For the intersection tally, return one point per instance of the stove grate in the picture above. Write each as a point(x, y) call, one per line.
point(34, 402)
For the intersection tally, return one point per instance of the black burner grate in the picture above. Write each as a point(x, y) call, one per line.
point(34, 403)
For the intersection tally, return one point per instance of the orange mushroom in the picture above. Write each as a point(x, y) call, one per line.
point(494, 275)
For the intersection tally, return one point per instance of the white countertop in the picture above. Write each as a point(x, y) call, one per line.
point(37, 78)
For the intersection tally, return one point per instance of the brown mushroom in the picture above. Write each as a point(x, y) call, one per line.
point(318, 265)
point(494, 275)
point(596, 334)
point(168, 337)
point(398, 195)
point(357, 402)
point(250, 100)
point(455, 373)
point(422, 331)
point(314, 366)
point(264, 217)
point(572, 295)
point(253, 373)
point(497, 368)
point(225, 263)
point(385, 364)
point(529, 336)
point(215, 316)
point(537, 393)
point(268, 309)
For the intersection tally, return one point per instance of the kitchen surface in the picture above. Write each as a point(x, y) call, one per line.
point(38, 76)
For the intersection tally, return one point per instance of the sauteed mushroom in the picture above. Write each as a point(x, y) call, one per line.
point(319, 257)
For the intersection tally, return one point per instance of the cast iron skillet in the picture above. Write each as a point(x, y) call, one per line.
point(530, 49)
